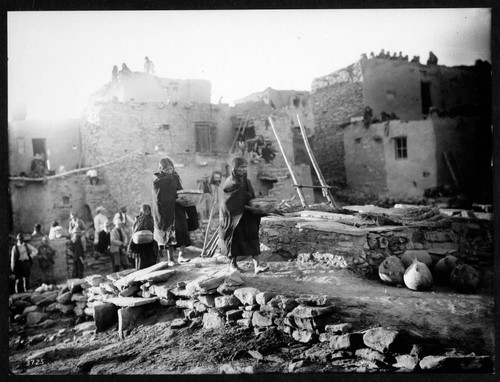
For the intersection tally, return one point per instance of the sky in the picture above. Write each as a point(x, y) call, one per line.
point(56, 60)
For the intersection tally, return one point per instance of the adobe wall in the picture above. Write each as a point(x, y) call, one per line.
point(371, 163)
point(60, 138)
point(465, 140)
point(394, 86)
point(37, 202)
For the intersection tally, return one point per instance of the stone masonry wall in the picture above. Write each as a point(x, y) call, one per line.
point(338, 245)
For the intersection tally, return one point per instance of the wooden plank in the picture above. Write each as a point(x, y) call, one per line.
point(289, 166)
point(325, 189)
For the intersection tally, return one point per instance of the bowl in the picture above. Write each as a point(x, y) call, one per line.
point(189, 198)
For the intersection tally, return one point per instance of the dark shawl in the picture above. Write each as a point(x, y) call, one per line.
point(167, 213)
point(164, 195)
point(239, 229)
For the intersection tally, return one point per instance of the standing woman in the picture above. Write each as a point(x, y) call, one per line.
point(170, 224)
point(239, 228)
point(21, 261)
point(142, 246)
point(76, 231)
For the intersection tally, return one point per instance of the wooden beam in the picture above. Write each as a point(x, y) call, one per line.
point(294, 179)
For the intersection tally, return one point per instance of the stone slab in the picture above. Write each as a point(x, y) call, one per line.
point(126, 319)
point(334, 227)
point(130, 278)
point(129, 302)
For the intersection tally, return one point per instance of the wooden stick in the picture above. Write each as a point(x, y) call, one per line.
point(294, 179)
point(325, 189)
point(72, 171)
point(209, 220)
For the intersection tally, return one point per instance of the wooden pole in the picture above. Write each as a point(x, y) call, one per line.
point(294, 179)
point(325, 189)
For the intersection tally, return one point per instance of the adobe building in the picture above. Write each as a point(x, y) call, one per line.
point(394, 128)
point(58, 143)
point(133, 119)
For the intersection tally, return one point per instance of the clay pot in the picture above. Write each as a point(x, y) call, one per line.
point(391, 270)
point(418, 276)
point(464, 278)
point(422, 256)
point(443, 269)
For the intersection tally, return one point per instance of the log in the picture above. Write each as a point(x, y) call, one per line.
point(289, 166)
point(325, 188)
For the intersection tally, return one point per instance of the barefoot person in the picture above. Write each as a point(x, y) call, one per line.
point(239, 229)
point(170, 224)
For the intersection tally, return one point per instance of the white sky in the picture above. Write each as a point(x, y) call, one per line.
point(57, 59)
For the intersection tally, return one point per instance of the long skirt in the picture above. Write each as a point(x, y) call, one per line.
point(242, 238)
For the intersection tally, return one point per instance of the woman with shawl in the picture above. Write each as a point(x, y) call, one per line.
point(142, 247)
point(239, 228)
point(170, 224)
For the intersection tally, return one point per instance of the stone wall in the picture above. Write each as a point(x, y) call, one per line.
point(322, 238)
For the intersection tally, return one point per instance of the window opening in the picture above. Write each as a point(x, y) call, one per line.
point(401, 147)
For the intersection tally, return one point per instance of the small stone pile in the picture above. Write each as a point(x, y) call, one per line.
point(220, 299)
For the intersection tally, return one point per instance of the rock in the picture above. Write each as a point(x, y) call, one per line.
point(169, 302)
point(129, 291)
point(283, 302)
point(48, 324)
point(36, 297)
point(52, 308)
point(391, 271)
point(464, 278)
point(156, 276)
point(209, 282)
point(256, 355)
point(312, 300)
point(418, 277)
point(246, 295)
point(263, 298)
point(313, 324)
point(338, 328)
point(234, 279)
point(64, 298)
point(162, 291)
point(310, 311)
point(185, 304)
point(108, 287)
point(89, 311)
point(245, 322)
point(456, 363)
point(226, 289)
point(351, 341)
point(227, 302)
point(178, 323)
point(304, 336)
point(129, 302)
point(213, 321)
point(34, 318)
point(208, 300)
point(234, 315)
point(66, 308)
point(31, 308)
point(133, 276)
point(94, 280)
point(230, 369)
point(127, 317)
point(78, 297)
point(247, 313)
point(385, 340)
point(406, 362)
point(191, 314)
point(412, 254)
point(261, 320)
point(20, 305)
point(36, 339)
point(200, 307)
point(48, 300)
point(85, 326)
point(374, 355)
point(105, 315)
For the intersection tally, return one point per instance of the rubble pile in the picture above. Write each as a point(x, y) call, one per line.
point(220, 300)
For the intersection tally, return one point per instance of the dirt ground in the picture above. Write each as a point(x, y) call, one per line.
point(461, 321)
